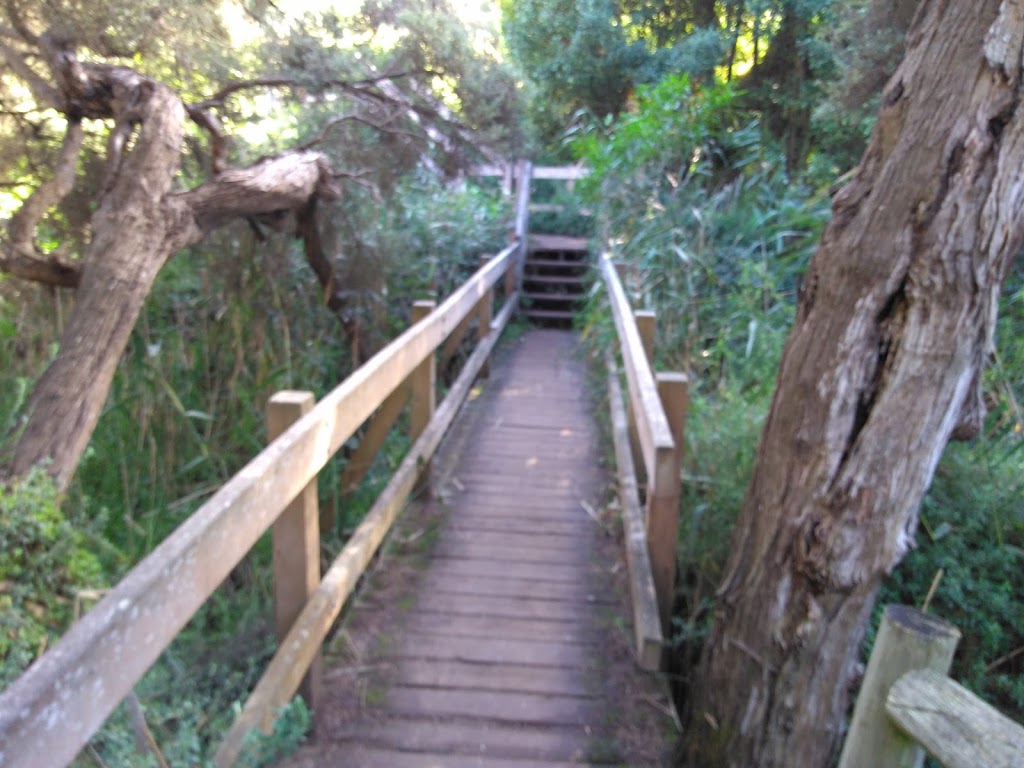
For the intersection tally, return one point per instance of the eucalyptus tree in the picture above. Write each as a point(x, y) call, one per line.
point(882, 368)
point(113, 98)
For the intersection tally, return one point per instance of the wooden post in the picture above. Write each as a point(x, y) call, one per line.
point(510, 281)
point(485, 312)
point(424, 383)
point(645, 323)
point(507, 180)
point(908, 640)
point(296, 541)
point(663, 496)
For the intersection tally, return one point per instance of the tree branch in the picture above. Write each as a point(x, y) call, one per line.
point(20, 27)
point(51, 271)
point(23, 224)
point(381, 126)
point(42, 90)
point(266, 191)
point(280, 82)
point(207, 120)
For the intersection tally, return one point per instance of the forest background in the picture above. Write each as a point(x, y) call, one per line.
point(716, 132)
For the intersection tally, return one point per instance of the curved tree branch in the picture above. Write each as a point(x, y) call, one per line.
point(48, 271)
point(23, 224)
point(42, 90)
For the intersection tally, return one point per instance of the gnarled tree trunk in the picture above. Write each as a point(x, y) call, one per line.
point(140, 222)
point(882, 367)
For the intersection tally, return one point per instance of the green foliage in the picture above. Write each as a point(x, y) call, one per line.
point(588, 57)
point(293, 723)
point(575, 51)
point(972, 527)
point(715, 233)
point(45, 559)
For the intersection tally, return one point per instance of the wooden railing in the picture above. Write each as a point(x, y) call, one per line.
point(648, 430)
point(908, 706)
point(51, 711)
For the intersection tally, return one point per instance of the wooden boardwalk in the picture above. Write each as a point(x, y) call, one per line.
point(498, 656)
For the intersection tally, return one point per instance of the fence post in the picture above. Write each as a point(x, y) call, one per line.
point(424, 385)
point(510, 279)
point(663, 496)
point(295, 541)
point(908, 639)
point(485, 312)
point(645, 324)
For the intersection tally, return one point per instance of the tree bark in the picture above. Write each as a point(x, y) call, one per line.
point(883, 364)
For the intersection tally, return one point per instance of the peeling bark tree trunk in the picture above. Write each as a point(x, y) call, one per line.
point(881, 369)
point(139, 224)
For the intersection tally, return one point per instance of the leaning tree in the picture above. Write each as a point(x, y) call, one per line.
point(108, 78)
point(882, 368)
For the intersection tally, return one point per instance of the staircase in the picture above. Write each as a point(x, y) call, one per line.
point(555, 279)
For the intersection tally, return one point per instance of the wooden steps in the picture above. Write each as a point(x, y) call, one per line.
point(555, 279)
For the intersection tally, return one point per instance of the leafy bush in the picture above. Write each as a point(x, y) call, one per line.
point(44, 561)
point(714, 233)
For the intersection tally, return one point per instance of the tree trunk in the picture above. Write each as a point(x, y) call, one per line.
point(120, 265)
point(892, 331)
point(139, 224)
point(776, 86)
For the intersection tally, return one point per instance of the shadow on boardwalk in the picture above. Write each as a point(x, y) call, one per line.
point(493, 632)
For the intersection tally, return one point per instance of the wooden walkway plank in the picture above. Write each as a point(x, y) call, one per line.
point(497, 661)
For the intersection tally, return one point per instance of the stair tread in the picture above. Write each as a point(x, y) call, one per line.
point(552, 314)
point(574, 264)
point(572, 298)
point(555, 279)
point(542, 242)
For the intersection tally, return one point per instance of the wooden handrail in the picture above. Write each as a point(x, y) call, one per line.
point(656, 416)
point(953, 725)
point(653, 429)
point(907, 703)
point(50, 712)
point(556, 173)
point(643, 595)
point(282, 677)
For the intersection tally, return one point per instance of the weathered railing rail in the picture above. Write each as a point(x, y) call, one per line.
point(50, 712)
point(655, 412)
point(908, 706)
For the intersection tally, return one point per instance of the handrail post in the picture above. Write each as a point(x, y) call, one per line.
point(908, 640)
point(295, 540)
point(645, 323)
point(424, 384)
point(664, 493)
point(524, 170)
point(485, 312)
